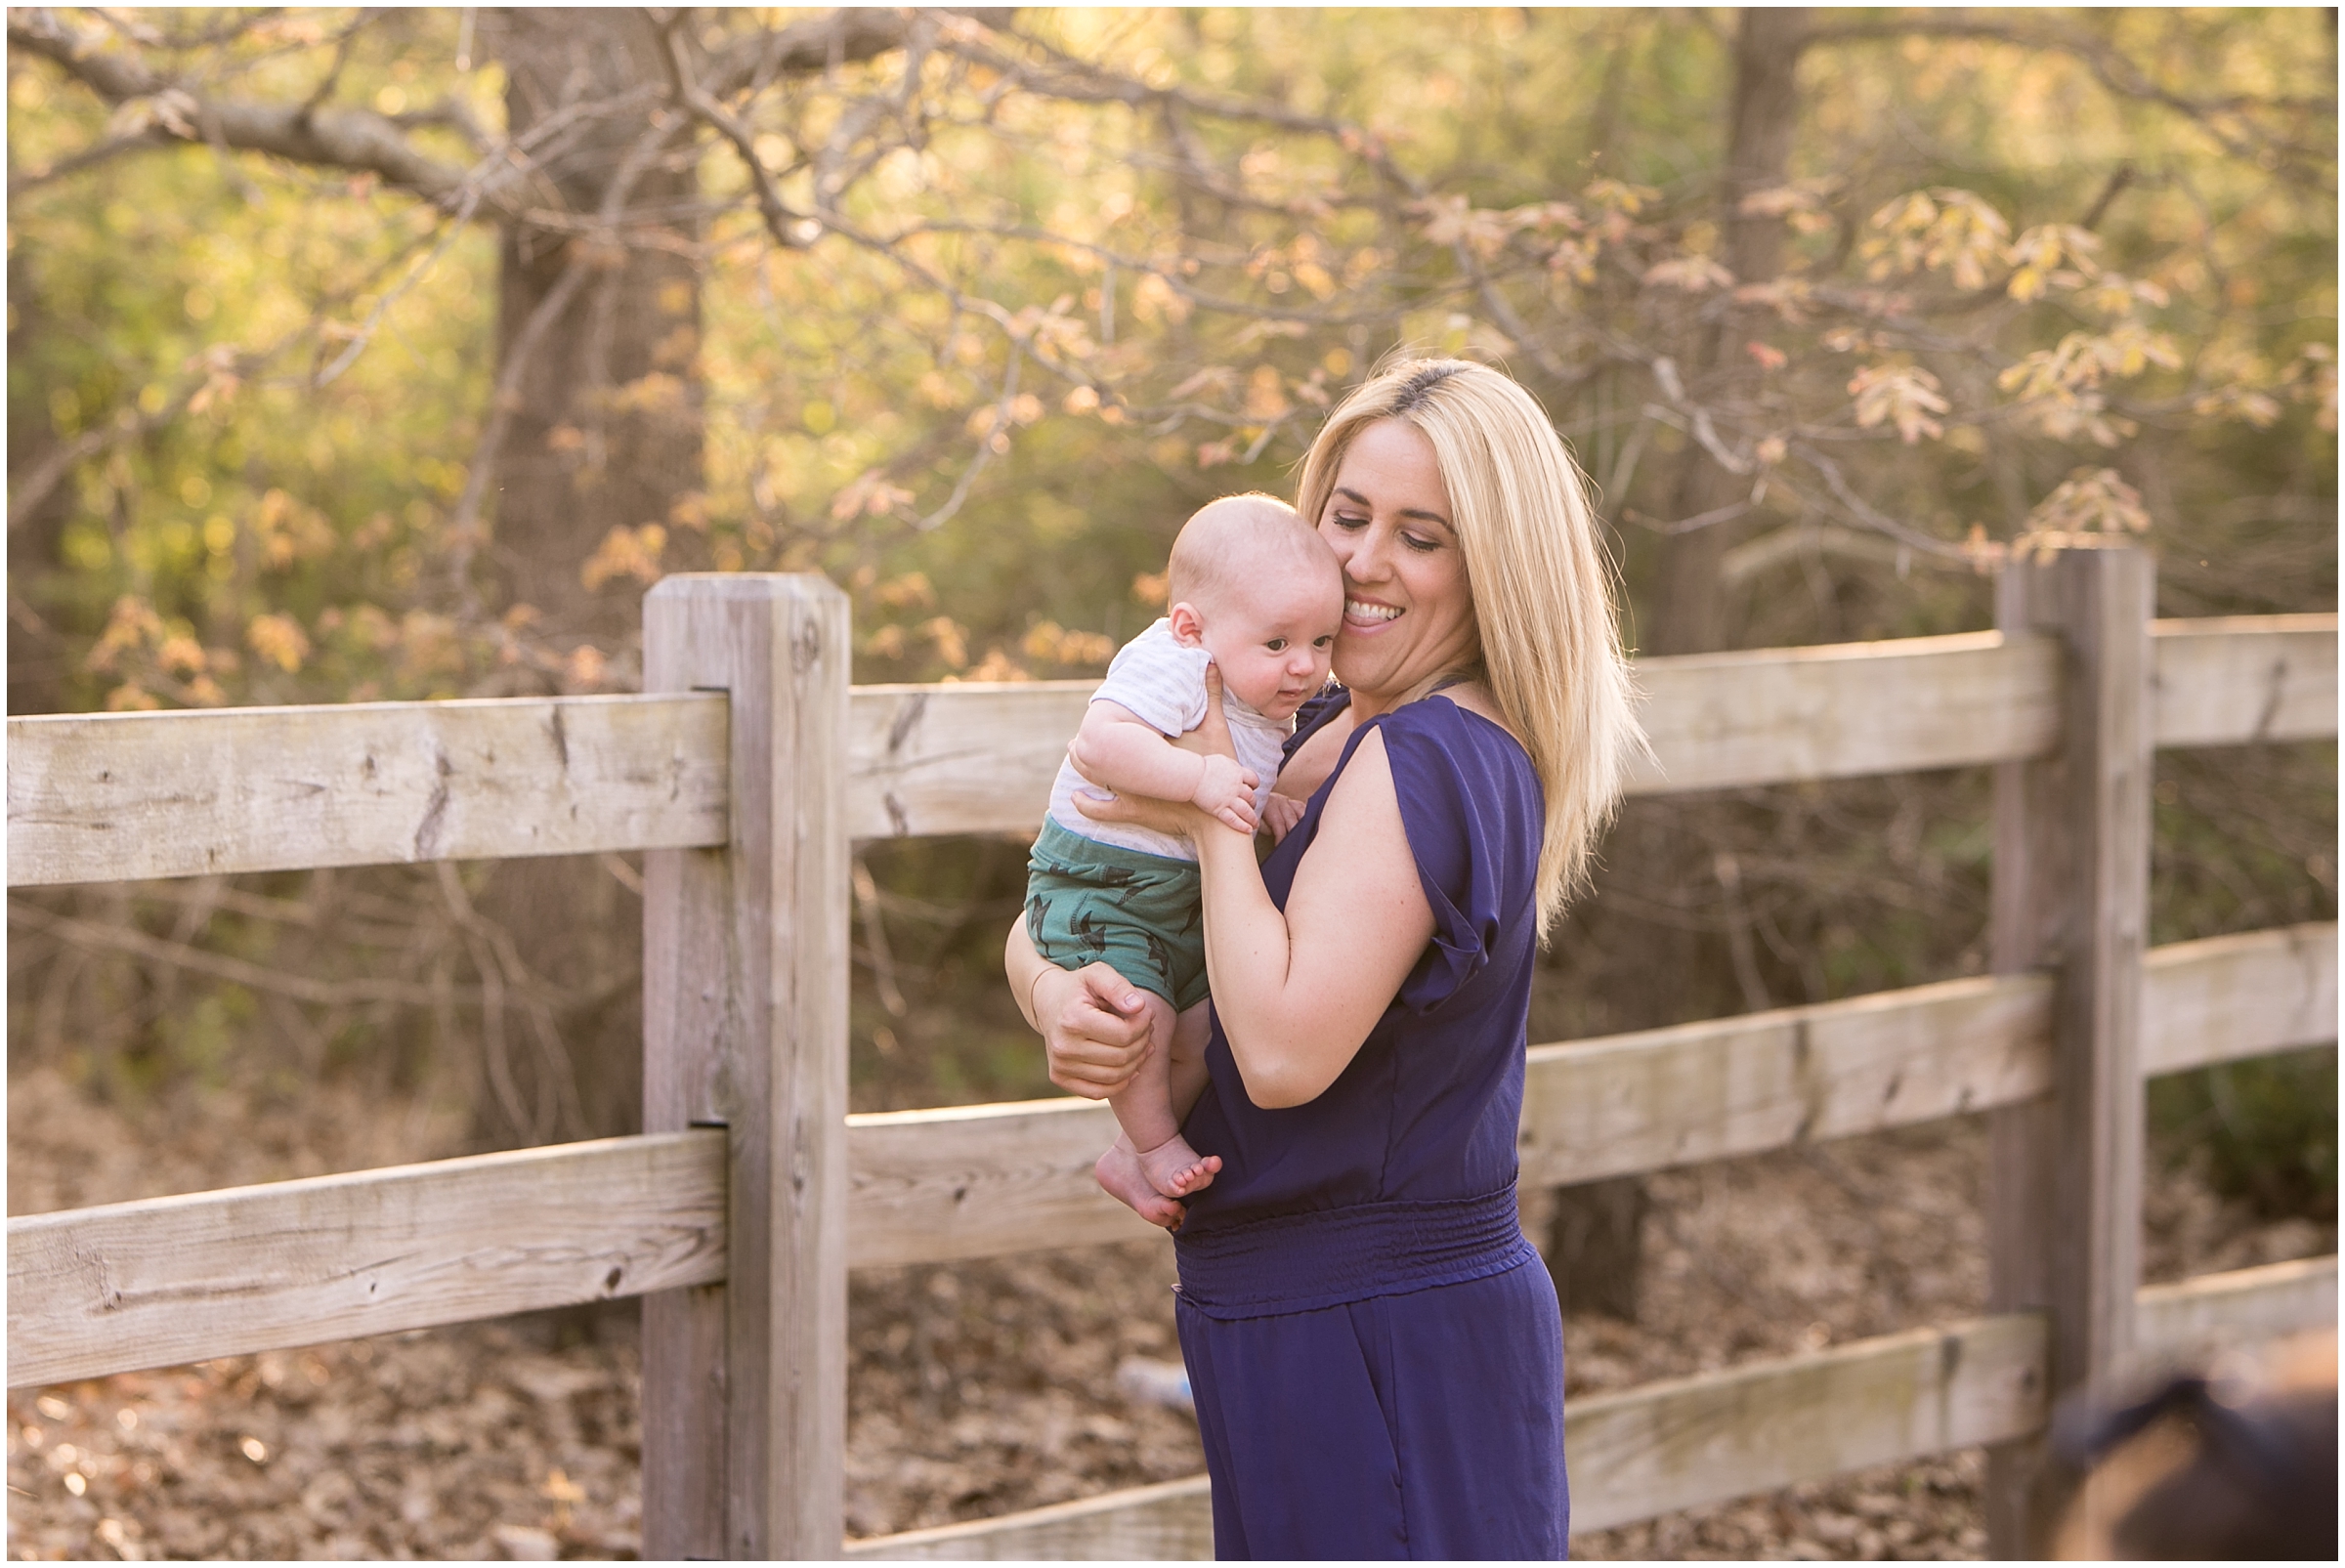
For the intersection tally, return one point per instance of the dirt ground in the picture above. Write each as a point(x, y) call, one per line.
point(974, 1389)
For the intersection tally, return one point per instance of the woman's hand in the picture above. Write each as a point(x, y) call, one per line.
point(1093, 1023)
point(1180, 819)
point(1095, 1026)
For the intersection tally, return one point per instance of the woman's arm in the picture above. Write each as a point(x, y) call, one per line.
point(1094, 1023)
point(1297, 990)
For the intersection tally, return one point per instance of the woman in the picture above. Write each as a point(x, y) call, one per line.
point(1377, 1356)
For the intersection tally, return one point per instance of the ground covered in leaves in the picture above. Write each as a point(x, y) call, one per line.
point(974, 1389)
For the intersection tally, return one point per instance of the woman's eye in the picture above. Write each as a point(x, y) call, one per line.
point(1420, 543)
point(1344, 521)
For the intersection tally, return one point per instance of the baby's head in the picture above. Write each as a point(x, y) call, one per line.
point(1257, 588)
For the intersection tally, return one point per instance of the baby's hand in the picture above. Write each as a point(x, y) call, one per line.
point(1225, 790)
point(1280, 814)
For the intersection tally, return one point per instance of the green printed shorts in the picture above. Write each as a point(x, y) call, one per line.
point(1094, 903)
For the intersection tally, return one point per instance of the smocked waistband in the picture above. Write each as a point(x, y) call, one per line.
point(1328, 1258)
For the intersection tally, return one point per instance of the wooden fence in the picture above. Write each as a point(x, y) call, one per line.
point(749, 767)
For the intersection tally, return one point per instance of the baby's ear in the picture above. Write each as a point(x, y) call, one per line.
point(1188, 626)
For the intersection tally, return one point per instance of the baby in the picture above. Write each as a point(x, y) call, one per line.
point(1257, 593)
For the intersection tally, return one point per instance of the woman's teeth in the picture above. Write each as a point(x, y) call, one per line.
point(1353, 610)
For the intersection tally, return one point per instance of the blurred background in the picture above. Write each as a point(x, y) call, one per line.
point(365, 355)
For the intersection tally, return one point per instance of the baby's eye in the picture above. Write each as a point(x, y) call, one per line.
point(1276, 645)
point(1325, 642)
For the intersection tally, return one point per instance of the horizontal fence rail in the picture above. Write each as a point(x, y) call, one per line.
point(1689, 1441)
point(977, 1181)
point(121, 796)
point(176, 1279)
point(101, 797)
point(172, 1280)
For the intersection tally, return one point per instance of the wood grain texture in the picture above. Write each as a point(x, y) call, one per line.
point(2235, 679)
point(1705, 1439)
point(746, 1025)
point(173, 1279)
point(973, 757)
point(1694, 1440)
point(104, 797)
point(1171, 1521)
point(121, 796)
point(983, 1180)
point(1730, 1087)
point(2248, 995)
point(1721, 720)
point(2071, 895)
point(2217, 1312)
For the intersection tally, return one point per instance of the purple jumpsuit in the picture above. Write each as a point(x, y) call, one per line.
point(1376, 1350)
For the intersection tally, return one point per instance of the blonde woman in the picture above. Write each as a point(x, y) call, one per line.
point(1375, 1354)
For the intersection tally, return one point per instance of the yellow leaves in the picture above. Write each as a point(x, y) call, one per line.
point(1903, 395)
point(1942, 229)
point(908, 591)
point(1049, 640)
point(2089, 500)
point(1696, 274)
point(1614, 195)
point(1152, 587)
point(1266, 395)
point(1154, 299)
point(658, 393)
point(289, 531)
point(1800, 207)
point(133, 624)
point(1453, 220)
point(872, 494)
point(626, 553)
point(278, 639)
point(2083, 359)
point(2041, 250)
point(950, 638)
point(2244, 403)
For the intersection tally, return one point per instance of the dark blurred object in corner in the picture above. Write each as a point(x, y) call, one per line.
point(2211, 1467)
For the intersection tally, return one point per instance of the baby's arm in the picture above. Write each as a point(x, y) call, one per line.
point(1118, 749)
point(1280, 814)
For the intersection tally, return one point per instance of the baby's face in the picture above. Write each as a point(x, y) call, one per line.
point(1273, 635)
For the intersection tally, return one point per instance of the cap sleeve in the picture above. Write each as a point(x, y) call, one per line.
point(1473, 814)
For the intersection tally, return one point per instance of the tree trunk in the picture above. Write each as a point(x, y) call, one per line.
point(604, 433)
point(1595, 1232)
point(605, 429)
point(1692, 616)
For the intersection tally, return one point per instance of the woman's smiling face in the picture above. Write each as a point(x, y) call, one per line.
point(1408, 611)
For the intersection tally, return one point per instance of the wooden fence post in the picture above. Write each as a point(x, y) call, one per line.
point(745, 1014)
point(2072, 885)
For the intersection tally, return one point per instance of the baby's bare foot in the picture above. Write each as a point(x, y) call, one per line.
point(1119, 1171)
point(1175, 1169)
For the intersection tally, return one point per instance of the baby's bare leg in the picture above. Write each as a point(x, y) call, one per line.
point(1152, 1164)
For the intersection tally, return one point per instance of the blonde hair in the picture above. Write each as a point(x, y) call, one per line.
point(1541, 588)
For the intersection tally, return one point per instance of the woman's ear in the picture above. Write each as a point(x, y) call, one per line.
point(1188, 626)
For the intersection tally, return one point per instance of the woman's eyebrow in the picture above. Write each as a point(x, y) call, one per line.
point(1412, 512)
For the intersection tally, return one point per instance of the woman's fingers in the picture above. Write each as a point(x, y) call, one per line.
point(1097, 1035)
point(1214, 732)
point(1164, 815)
